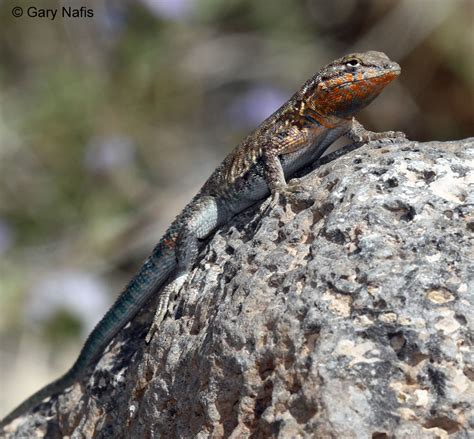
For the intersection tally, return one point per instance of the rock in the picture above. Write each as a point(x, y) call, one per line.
point(346, 313)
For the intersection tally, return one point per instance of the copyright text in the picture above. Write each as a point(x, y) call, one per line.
point(52, 13)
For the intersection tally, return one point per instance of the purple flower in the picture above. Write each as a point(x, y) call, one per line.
point(256, 105)
point(170, 9)
point(79, 293)
point(106, 154)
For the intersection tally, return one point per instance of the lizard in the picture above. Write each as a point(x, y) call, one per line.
point(294, 136)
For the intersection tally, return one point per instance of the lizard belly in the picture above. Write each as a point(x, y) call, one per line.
point(252, 189)
point(294, 161)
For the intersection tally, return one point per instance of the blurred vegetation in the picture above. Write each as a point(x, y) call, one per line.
point(109, 124)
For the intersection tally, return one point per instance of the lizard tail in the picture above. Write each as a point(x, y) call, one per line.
point(64, 381)
point(151, 276)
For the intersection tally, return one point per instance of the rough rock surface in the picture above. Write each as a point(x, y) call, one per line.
point(347, 313)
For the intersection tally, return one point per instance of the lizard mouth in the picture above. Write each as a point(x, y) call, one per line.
point(390, 74)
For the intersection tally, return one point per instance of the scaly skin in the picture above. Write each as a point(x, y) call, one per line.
point(294, 136)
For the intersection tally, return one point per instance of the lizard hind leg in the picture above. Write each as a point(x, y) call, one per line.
point(198, 221)
point(186, 253)
point(165, 302)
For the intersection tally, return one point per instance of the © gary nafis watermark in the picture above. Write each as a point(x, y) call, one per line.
point(52, 13)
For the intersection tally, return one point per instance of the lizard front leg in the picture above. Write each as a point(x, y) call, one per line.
point(275, 178)
point(278, 146)
point(198, 220)
point(274, 173)
point(358, 133)
point(289, 192)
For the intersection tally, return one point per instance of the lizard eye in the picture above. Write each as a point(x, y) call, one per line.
point(352, 63)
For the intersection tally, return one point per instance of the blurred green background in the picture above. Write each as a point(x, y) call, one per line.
point(110, 123)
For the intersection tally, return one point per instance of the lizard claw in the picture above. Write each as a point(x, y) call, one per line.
point(359, 134)
point(165, 304)
point(368, 136)
point(285, 194)
point(391, 136)
point(272, 201)
point(291, 191)
point(161, 311)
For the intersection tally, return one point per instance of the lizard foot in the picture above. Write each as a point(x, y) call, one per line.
point(291, 193)
point(368, 136)
point(165, 304)
point(360, 135)
point(390, 136)
point(160, 313)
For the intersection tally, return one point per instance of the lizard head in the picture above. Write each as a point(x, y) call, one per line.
point(350, 83)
